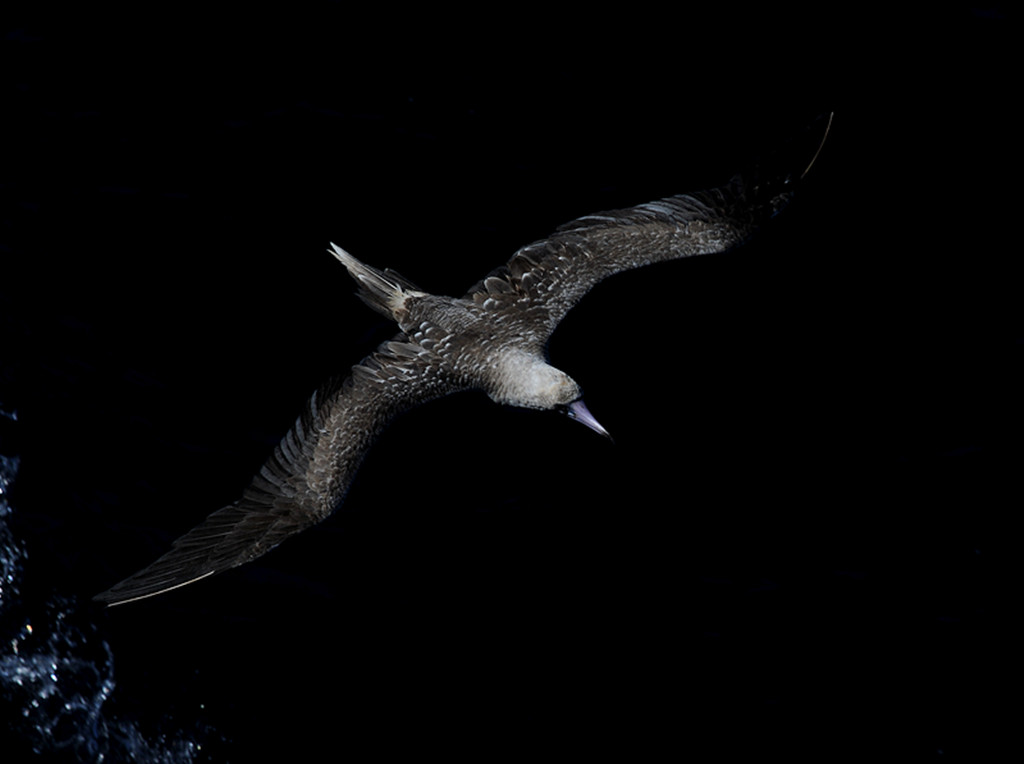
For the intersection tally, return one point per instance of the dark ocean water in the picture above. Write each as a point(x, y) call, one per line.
point(798, 543)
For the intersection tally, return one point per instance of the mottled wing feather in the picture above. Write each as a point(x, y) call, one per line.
point(305, 478)
point(545, 279)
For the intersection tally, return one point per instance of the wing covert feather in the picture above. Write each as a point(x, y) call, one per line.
point(544, 280)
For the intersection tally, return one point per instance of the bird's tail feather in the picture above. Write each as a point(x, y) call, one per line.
point(384, 291)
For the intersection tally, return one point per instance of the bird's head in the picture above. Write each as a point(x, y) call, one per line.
point(530, 382)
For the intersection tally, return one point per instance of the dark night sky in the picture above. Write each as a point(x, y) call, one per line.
point(799, 532)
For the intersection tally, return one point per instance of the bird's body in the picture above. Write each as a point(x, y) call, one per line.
point(493, 339)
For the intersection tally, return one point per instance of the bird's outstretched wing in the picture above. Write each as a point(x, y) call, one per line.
point(305, 478)
point(544, 280)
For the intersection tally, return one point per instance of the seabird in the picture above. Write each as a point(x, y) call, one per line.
point(492, 339)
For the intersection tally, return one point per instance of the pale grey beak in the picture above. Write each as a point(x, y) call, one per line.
point(576, 410)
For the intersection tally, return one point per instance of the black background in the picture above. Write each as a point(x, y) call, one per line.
point(797, 544)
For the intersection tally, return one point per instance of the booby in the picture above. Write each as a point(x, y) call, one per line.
point(493, 339)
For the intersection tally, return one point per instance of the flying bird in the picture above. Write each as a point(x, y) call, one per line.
point(492, 339)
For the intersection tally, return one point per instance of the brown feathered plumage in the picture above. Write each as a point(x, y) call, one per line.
point(493, 338)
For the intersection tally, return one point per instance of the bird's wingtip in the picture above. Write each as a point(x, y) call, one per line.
point(821, 144)
point(112, 597)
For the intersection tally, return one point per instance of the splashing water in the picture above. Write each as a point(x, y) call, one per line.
point(57, 673)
